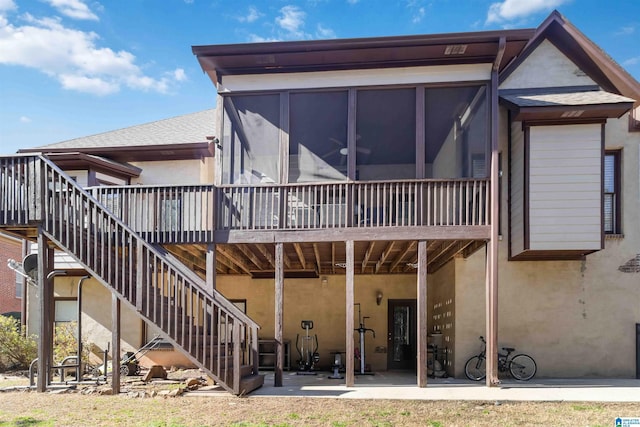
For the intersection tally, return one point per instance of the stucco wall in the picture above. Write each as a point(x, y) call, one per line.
point(546, 66)
point(310, 299)
point(174, 172)
point(441, 312)
point(576, 318)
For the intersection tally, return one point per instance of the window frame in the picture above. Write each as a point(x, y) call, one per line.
point(616, 228)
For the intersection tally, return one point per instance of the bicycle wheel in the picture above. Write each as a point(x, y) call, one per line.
point(475, 369)
point(522, 367)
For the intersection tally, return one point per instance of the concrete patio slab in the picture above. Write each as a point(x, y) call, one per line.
point(401, 385)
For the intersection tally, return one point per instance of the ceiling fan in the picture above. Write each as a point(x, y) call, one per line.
point(343, 150)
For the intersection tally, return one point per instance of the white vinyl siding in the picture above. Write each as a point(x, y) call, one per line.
point(565, 187)
point(517, 188)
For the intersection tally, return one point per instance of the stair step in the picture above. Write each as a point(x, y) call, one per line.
point(251, 383)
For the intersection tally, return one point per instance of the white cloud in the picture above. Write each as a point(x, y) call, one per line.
point(25, 119)
point(626, 30)
point(179, 75)
point(418, 16)
point(508, 10)
point(325, 33)
point(75, 9)
point(6, 5)
point(254, 38)
point(253, 14)
point(74, 59)
point(631, 61)
point(291, 20)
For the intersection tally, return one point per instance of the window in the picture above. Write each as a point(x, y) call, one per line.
point(386, 134)
point(66, 310)
point(634, 120)
point(19, 280)
point(318, 136)
point(251, 137)
point(612, 192)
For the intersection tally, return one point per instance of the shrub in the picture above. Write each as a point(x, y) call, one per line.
point(65, 343)
point(16, 350)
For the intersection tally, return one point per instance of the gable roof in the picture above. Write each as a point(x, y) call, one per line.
point(180, 137)
point(591, 59)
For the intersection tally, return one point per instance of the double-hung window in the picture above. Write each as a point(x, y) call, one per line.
point(612, 217)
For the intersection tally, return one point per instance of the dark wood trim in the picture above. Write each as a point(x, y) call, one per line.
point(618, 190)
point(352, 110)
point(46, 306)
point(602, 154)
point(525, 187)
point(284, 137)
point(563, 122)
point(552, 255)
point(210, 275)
point(509, 183)
point(420, 132)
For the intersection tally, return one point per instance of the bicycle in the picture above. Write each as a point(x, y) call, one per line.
point(522, 367)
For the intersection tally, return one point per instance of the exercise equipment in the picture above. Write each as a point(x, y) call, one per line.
point(308, 350)
point(360, 353)
point(336, 366)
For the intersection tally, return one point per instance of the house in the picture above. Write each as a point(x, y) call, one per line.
point(12, 285)
point(431, 188)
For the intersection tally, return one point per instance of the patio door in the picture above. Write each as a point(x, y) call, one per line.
point(401, 340)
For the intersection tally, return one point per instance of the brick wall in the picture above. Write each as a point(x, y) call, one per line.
point(9, 248)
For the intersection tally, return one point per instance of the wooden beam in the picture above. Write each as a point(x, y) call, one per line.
point(235, 256)
point(279, 314)
point(492, 253)
point(442, 250)
point(316, 252)
point(384, 256)
point(445, 255)
point(422, 313)
point(115, 344)
point(222, 259)
point(410, 247)
point(367, 255)
point(246, 251)
point(349, 309)
point(46, 306)
point(298, 250)
point(333, 258)
point(211, 268)
point(362, 234)
point(266, 253)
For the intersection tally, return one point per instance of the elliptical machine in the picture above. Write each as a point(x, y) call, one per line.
point(360, 354)
point(309, 355)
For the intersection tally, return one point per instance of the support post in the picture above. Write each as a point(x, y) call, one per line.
point(422, 313)
point(279, 317)
point(349, 308)
point(115, 344)
point(492, 252)
point(46, 302)
point(211, 268)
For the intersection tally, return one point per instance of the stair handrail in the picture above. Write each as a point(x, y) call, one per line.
point(197, 280)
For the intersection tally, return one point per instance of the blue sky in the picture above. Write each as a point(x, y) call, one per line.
point(71, 68)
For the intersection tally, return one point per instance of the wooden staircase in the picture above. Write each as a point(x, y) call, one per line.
point(37, 197)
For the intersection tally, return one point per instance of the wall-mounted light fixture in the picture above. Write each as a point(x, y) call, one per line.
point(379, 297)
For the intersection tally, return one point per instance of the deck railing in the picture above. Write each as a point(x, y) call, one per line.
point(185, 214)
point(210, 329)
point(407, 203)
point(162, 214)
